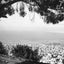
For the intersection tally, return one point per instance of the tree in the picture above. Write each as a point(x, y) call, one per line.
point(53, 10)
point(3, 50)
point(26, 52)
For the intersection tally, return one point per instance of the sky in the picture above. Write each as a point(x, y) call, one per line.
point(17, 23)
point(31, 27)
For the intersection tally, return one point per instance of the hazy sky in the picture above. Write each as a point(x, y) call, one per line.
point(17, 23)
point(30, 28)
point(18, 28)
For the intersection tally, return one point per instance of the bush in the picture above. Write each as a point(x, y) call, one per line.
point(26, 52)
point(3, 50)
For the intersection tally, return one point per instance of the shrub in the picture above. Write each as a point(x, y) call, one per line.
point(26, 52)
point(3, 50)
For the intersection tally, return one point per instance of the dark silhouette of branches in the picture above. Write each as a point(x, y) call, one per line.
point(43, 7)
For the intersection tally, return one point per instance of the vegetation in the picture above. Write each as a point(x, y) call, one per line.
point(53, 10)
point(3, 50)
point(26, 52)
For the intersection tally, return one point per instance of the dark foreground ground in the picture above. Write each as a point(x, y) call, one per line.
point(31, 62)
point(11, 60)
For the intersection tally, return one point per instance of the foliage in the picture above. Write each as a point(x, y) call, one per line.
point(3, 50)
point(47, 8)
point(24, 51)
